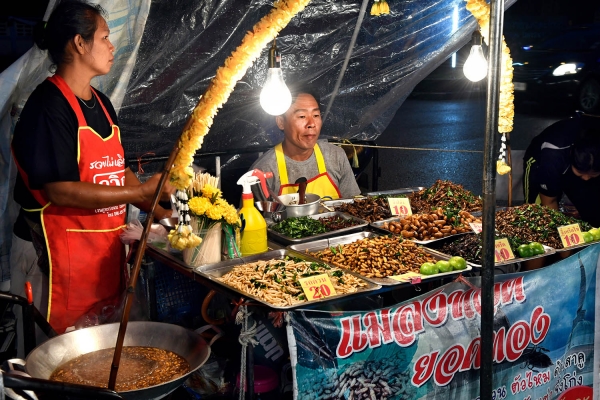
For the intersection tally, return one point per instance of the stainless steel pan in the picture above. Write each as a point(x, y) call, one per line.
point(44, 359)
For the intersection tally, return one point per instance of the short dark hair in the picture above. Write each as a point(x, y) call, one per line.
point(68, 19)
point(299, 88)
point(585, 152)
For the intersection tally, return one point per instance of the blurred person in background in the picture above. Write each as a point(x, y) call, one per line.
point(565, 159)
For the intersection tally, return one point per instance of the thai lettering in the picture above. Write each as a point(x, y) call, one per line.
point(405, 323)
point(568, 381)
point(108, 161)
point(575, 359)
point(507, 346)
point(530, 380)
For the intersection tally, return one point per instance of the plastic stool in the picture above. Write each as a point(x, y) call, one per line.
point(265, 380)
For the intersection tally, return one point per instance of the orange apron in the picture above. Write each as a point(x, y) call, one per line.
point(321, 184)
point(84, 249)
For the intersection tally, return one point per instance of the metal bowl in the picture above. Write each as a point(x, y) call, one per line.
point(271, 209)
point(44, 359)
point(293, 209)
point(169, 223)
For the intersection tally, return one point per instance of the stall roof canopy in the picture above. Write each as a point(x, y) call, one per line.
point(184, 42)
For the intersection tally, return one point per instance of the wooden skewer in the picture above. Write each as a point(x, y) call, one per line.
point(136, 269)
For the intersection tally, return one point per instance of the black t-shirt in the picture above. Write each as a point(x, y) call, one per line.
point(551, 150)
point(45, 141)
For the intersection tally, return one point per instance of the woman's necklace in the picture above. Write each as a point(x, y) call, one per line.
point(85, 104)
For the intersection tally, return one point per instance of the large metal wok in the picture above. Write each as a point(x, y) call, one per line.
point(44, 359)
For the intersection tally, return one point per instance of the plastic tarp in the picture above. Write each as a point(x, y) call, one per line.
point(157, 80)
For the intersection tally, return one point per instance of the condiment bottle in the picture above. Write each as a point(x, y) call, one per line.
point(254, 233)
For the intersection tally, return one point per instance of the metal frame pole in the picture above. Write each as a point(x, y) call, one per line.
point(489, 197)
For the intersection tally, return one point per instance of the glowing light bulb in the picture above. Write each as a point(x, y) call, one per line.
point(475, 68)
point(275, 97)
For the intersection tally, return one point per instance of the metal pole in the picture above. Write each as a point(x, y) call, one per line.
point(489, 197)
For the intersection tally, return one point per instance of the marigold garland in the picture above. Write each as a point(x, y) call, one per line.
point(481, 11)
point(380, 7)
point(221, 86)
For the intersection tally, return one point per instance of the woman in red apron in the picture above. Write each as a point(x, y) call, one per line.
point(73, 184)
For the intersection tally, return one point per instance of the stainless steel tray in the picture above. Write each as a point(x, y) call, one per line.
point(395, 191)
point(279, 237)
point(439, 243)
point(214, 271)
point(340, 240)
point(377, 227)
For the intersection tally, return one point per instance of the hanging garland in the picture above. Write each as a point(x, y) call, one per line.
point(224, 82)
point(481, 11)
point(380, 7)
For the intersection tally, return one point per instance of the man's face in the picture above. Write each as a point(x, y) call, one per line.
point(586, 176)
point(301, 123)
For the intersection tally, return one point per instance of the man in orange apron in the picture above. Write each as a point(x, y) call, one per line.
point(325, 166)
point(84, 251)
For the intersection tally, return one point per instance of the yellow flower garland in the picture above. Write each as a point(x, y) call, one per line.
point(223, 83)
point(481, 11)
point(380, 7)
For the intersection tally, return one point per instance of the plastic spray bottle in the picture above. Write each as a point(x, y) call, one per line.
point(254, 232)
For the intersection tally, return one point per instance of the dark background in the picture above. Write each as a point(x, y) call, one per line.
point(525, 22)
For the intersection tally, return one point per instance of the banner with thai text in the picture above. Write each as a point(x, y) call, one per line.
point(429, 347)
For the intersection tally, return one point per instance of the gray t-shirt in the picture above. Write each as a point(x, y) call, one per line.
point(336, 164)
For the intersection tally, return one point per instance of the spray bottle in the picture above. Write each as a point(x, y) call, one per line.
point(254, 232)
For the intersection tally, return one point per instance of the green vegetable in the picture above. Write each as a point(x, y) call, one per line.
point(299, 227)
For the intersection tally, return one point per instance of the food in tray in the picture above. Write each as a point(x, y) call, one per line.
point(470, 247)
point(300, 227)
point(276, 281)
point(377, 257)
point(432, 226)
point(535, 223)
point(370, 208)
point(447, 195)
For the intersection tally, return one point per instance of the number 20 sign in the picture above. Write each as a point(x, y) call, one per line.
point(317, 287)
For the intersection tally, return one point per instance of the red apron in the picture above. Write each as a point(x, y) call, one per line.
point(84, 248)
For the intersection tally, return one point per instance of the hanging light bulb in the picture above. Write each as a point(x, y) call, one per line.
point(475, 68)
point(275, 97)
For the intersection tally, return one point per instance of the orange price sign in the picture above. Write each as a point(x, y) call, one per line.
point(317, 287)
point(570, 235)
point(399, 206)
point(503, 251)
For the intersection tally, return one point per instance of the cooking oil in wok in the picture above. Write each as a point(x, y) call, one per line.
point(140, 367)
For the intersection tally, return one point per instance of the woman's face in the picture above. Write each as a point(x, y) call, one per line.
point(99, 54)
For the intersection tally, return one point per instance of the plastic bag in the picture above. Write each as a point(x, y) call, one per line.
point(209, 380)
point(133, 232)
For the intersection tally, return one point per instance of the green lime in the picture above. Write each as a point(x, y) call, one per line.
point(525, 251)
point(595, 232)
point(587, 237)
point(457, 263)
point(429, 268)
point(537, 248)
point(444, 266)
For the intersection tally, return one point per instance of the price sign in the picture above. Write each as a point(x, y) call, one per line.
point(503, 251)
point(399, 206)
point(570, 235)
point(476, 226)
point(317, 287)
point(411, 277)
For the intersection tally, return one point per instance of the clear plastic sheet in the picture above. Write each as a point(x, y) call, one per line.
point(185, 42)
